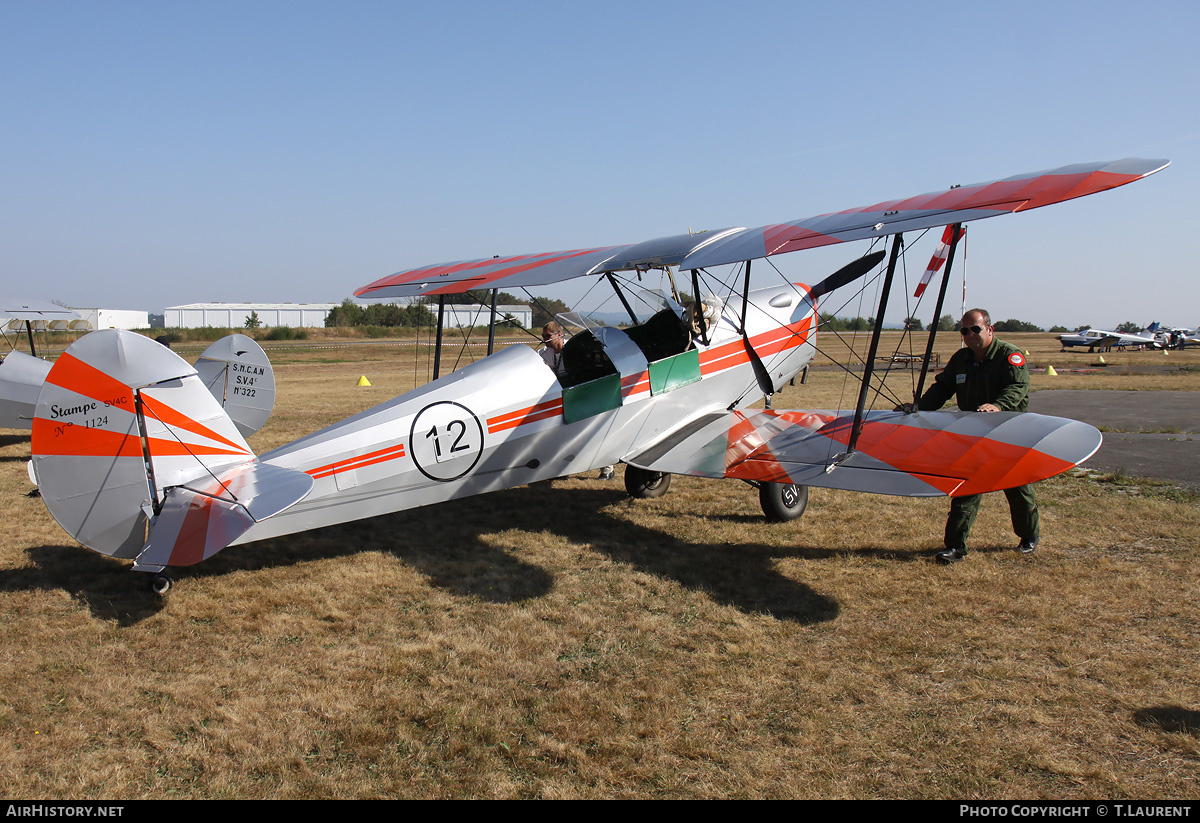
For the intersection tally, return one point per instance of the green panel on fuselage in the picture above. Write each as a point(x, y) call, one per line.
point(591, 398)
point(673, 372)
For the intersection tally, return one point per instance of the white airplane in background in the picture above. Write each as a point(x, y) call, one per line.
point(137, 460)
point(1101, 339)
point(235, 369)
point(1181, 338)
point(21, 374)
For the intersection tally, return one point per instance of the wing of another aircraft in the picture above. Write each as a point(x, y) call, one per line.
point(13, 309)
point(713, 248)
point(926, 454)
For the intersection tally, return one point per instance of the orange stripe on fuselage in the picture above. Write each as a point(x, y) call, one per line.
point(359, 461)
point(529, 414)
point(770, 342)
point(635, 384)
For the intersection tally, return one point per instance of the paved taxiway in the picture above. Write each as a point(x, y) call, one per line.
point(1148, 433)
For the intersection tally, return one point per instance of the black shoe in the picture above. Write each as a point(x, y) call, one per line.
point(950, 556)
point(1027, 546)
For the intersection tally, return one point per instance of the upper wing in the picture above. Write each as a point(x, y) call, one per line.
point(539, 269)
point(914, 455)
point(957, 205)
point(693, 251)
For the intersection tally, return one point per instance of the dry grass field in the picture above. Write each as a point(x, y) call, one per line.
point(564, 641)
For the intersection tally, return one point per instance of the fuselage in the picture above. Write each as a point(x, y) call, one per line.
point(507, 420)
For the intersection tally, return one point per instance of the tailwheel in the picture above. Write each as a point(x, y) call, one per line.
point(644, 484)
point(782, 501)
point(160, 583)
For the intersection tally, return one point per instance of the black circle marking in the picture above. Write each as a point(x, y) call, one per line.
point(446, 441)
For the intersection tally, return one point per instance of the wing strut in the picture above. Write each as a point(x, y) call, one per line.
point(868, 367)
point(621, 297)
point(937, 311)
point(698, 308)
point(492, 325)
point(760, 371)
point(437, 346)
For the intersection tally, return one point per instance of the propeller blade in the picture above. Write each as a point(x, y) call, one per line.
point(851, 271)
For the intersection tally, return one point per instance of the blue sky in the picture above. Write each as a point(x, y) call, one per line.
point(164, 153)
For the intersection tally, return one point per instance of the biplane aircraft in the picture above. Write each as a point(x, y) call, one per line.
point(137, 460)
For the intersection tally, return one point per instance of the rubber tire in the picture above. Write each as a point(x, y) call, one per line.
point(643, 484)
point(160, 584)
point(780, 504)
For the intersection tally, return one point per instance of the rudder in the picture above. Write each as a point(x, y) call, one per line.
point(119, 421)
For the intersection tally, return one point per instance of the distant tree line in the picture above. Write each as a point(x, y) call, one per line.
point(379, 314)
point(423, 313)
point(832, 323)
point(945, 323)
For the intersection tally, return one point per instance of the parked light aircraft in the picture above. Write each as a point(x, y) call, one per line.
point(21, 374)
point(1181, 338)
point(138, 461)
point(234, 369)
point(1101, 339)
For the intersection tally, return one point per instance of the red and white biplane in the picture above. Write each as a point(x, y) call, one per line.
point(137, 460)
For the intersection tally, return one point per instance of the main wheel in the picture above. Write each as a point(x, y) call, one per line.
point(782, 501)
point(643, 484)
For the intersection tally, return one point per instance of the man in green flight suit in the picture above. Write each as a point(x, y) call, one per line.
point(987, 375)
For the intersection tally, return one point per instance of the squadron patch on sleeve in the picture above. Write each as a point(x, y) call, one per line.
point(1017, 359)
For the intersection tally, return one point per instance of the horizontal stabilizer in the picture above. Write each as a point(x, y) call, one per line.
point(197, 520)
point(21, 379)
point(926, 454)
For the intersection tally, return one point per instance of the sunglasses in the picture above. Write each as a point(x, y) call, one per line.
point(971, 330)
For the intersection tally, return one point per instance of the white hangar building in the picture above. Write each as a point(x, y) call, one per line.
point(233, 315)
point(114, 318)
point(464, 315)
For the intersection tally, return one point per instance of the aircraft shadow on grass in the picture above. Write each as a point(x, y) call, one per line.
point(1169, 719)
point(450, 545)
point(7, 440)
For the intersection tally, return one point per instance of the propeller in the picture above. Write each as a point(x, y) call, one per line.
point(847, 273)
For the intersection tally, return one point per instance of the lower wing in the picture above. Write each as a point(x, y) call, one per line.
point(925, 454)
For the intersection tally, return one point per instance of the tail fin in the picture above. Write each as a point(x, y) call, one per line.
point(238, 373)
point(119, 424)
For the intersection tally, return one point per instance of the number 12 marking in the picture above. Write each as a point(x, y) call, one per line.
point(457, 445)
